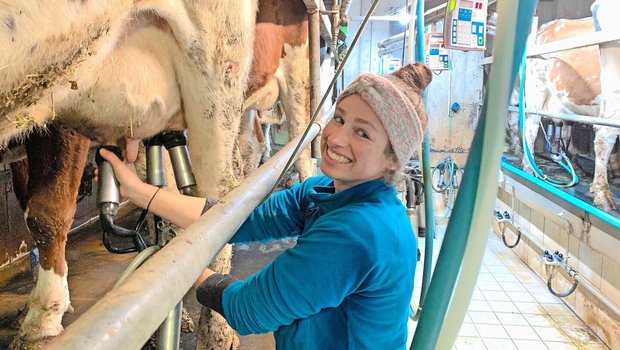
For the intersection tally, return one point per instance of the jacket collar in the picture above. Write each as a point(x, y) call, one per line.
point(327, 199)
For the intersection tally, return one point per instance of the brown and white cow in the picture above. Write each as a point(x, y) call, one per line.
point(279, 72)
point(134, 73)
point(125, 69)
point(568, 82)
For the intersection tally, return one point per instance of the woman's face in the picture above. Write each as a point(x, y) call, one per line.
point(353, 145)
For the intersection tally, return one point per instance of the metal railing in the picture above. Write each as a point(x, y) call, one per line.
point(577, 42)
point(584, 119)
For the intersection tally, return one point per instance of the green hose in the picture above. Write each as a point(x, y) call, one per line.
point(429, 209)
point(136, 262)
point(468, 228)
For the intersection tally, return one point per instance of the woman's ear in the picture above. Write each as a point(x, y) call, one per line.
point(393, 165)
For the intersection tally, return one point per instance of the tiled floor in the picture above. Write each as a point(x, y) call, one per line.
point(511, 308)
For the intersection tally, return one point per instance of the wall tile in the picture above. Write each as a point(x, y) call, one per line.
point(590, 264)
point(551, 239)
point(605, 244)
point(573, 250)
point(610, 283)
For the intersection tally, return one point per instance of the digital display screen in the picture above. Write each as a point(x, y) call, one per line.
point(467, 4)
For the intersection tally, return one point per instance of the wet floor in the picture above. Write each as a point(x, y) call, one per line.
point(510, 309)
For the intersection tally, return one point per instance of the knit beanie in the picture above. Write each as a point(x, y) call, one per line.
point(397, 101)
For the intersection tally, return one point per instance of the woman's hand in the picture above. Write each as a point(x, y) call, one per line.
point(130, 184)
point(205, 274)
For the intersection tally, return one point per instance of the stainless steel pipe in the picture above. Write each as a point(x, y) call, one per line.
point(573, 117)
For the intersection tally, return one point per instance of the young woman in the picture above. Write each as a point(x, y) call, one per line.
point(348, 281)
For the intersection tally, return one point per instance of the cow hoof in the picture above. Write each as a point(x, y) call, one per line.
point(187, 324)
point(604, 200)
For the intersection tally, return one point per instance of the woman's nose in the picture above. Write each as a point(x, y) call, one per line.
point(338, 137)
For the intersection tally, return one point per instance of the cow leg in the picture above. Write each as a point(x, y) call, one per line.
point(603, 144)
point(610, 108)
point(514, 135)
point(266, 128)
point(532, 123)
point(251, 142)
point(212, 81)
point(295, 97)
point(56, 162)
point(536, 96)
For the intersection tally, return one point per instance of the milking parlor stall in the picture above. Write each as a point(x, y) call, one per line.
point(513, 195)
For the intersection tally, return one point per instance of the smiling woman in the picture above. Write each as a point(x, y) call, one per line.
point(348, 281)
point(354, 145)
point(378, 124)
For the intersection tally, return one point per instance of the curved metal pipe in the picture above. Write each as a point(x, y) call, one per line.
point(503, 229)
point(563, 294)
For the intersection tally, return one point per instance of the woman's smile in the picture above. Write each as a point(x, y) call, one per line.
point(337, 157)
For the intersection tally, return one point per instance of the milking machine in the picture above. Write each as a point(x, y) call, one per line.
point(176, 144)
point(108, 199)
point(558, 157)
point(447, 175)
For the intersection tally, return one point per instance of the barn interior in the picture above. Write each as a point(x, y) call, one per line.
point(523, 298)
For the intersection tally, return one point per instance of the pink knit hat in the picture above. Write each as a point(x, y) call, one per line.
point(397, 101)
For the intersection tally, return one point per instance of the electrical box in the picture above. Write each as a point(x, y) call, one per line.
point(465, 25)
point(436, 57)
point(390, 64)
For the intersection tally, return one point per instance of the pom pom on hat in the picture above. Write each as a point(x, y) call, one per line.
point(397, 101)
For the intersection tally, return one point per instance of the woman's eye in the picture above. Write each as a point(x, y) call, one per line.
point(338, 120)
point(362, 133)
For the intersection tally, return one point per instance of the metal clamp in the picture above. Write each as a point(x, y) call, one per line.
point(502, 219)
point(552, 263)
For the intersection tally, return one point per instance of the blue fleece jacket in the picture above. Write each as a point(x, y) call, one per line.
point(347, 282)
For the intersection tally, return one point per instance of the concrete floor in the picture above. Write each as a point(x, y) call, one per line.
point(89, 261)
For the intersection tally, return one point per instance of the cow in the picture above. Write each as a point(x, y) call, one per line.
point(124, 70)
point(568, 81)
point(157, 64)
point(603, 12)
point(280, 73)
